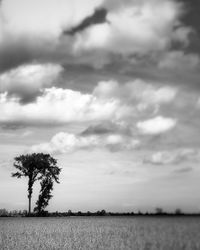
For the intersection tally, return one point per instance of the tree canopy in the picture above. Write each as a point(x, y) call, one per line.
point(38, 166)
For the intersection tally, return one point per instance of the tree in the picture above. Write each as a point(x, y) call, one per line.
point(178, 211)
point(159, 210)
point(45, 195)
point(3, 212)
point(36, 167)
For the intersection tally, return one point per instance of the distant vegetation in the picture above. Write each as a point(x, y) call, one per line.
point(158, 212)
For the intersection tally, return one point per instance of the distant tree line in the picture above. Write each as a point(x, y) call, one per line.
point(157, 212)
point(13, 213)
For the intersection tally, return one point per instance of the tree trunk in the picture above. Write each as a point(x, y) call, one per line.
point(29, 204)
point(30, 191)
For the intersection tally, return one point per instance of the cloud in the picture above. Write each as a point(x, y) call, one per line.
point(156, 125)
point(55, 106)
point(137, 90)
point(27, 81)
point(121, 104)
point(174, 156)
point(65, 142)
point(153, 27)
point(183, 170)
point(182, 35)
point(32, 18)
point(89, 32)
point(178, 60)
point(106, 127)
point(99, 16)
point(27, 133)
point(27, 33)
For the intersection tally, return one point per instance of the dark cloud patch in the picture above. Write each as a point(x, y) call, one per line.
point(13, 55)
point(183, 170)
point(25, 95)
point(12, 125)
point(30, 123)
point(16, 51)
point(105, 128)
point(191, 18)
point(100, 129)
point(98, 17)
point(23, 50)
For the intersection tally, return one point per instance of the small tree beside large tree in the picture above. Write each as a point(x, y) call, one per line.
point(38, 166)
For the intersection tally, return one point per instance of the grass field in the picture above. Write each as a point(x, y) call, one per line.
point(100, 233)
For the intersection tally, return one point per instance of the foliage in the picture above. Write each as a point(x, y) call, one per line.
point(28, 166)
point(38, 167)
point(45, 195)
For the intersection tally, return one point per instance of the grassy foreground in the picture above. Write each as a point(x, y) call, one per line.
point(100, 233)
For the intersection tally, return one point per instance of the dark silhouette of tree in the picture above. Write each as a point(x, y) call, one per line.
point(44, 196)
point(159, 210)
point(69, 212)
point(27, 166)
point(37, 167)
point(50, 173)
point(178, 211)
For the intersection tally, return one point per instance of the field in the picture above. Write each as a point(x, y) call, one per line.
point(87, 233)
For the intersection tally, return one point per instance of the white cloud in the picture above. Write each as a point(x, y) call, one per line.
point(162, 158)
point(30, 74)
point(138, 95)
point(27, 80)
point(27, 133)
point(66, 142)
point(56, 106)
point(174, 156)
point(135, 90)
point(107, 89)
point(111, 101)
point(156, 125)
point(161, 95)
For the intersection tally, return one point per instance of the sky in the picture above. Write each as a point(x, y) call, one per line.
point(109, 88)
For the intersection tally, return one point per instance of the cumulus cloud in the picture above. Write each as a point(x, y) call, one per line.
point(55, 106)
point(66, 142)
point(26, 81)
point(137, 90)
point(156, 125)
point(110, 101)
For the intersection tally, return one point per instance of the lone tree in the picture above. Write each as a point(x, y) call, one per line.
point(36, 167)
